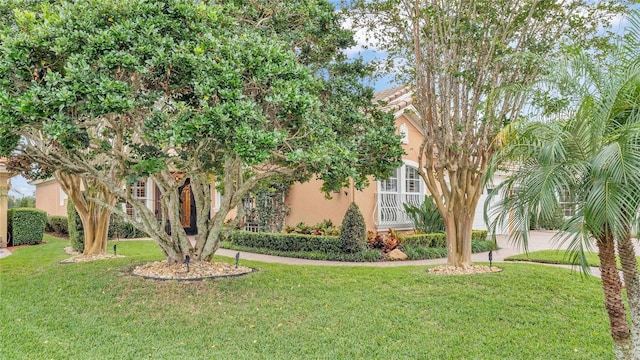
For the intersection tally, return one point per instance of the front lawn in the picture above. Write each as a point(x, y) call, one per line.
point(559, 257)
point(553, 257)
point(98, 311)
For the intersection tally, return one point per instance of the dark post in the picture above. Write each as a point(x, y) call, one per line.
point(237, 259)
point(490, 257)
point(114, 249)
point(186, 260)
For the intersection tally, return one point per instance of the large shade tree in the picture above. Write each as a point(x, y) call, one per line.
point(468, 63)
point(589, 156)
point(238, 92)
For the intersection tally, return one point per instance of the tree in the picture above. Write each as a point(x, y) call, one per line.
point(239, 92)
point(591, 155)
point(36, 159)
point(468, 63)
point(25, 201)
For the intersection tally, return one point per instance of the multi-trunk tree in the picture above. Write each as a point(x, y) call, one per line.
point(238, 92)
point(468, 63)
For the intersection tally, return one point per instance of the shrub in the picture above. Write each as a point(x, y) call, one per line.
point(426, 218)
point(439, 240)
point(434, 240)
point(26, 225)
point(325, 227)
point(478, 246)
point(479, 235)
point(57, 224)
point(384, 241)
point(76, 230)
point(353, 237)
point(551, 222)
point(120, 228)
point(287, 242)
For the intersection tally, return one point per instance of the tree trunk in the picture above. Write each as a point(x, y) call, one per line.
point(632, 285)
point(458, 229)
point(612, 289)
point(95, 217)
point(96, 228)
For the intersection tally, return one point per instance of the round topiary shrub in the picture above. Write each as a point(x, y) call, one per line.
point(353, 237)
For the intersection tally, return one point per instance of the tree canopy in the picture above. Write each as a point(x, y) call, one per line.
point(237, 92)
point(469, 64)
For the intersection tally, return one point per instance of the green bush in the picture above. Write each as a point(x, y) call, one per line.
point(362, 256)
point(286, 242)
point(426, 218)
point(478, 246)
point(76, 230)
point(439, 240)
point(435, 240)
point(551, 222)
point(26, 225)
point(353, 237)
point(121, 229)
point(57, 224)
point(479, 235)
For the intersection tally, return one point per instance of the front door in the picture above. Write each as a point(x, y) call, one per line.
point(187, 209)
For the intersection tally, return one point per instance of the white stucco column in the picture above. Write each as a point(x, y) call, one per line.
point(4, 205)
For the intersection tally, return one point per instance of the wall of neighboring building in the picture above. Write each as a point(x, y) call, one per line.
point(51, 198)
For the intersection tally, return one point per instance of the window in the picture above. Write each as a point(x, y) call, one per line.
point(390, 184)
point(404, 186)
point(138, 191)
point(412, 180)
point(566, 202)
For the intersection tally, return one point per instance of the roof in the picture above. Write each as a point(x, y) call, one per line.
point(395, 99)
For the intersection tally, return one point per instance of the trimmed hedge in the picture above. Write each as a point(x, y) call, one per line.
point(287, 242)
point(362, 256)
point(439, 240)
point(316, 247)
point(26, 225)
point(57, 224)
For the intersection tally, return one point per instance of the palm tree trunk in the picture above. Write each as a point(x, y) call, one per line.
point(632, 285)
point(612, 289)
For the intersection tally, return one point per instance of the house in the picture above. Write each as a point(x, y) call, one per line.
point(381, 203)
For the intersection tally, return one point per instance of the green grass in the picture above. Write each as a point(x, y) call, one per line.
point(553, 257)
point(558, 257)
point(98, 311)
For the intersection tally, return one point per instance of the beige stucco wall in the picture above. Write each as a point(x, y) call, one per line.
point(308, 204)
point(51, 198)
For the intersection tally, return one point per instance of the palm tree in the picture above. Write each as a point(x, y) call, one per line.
point(591, 156)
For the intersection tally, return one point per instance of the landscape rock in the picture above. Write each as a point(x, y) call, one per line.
point(397, 254)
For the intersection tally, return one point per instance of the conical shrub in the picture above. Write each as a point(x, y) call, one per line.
point(354, 232)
